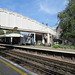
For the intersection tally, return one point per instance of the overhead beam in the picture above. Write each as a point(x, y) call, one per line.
point(14, 21)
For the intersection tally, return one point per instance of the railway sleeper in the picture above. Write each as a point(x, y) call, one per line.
point(53, 61)
point(55, 66)
point(50, 72)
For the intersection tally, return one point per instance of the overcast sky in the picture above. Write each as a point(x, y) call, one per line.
point(40, 10)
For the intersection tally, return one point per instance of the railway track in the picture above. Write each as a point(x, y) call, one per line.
point(45, 65)
point(26, 62)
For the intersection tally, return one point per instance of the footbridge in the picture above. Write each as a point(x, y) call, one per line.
point(14, 21)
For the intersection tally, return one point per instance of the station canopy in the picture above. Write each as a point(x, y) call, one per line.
point(11, 35)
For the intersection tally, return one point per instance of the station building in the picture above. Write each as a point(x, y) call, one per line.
point(12, 38)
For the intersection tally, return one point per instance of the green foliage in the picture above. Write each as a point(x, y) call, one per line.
point(12, 31)
point(54, 37)
point(72, 47)
point(56, 46)
point(67, 22)
point(63, 46)
point(39, 45)
point(1, 32)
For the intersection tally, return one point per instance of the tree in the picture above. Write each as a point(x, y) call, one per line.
point(1, 32)
point(46, 24)
point(12, 31)
point(67, 22)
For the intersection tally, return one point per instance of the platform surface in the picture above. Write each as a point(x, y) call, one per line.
point(8, 69)
point(44, 48)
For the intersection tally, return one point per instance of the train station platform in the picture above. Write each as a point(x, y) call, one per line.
point(7, 67)
point(43, 48)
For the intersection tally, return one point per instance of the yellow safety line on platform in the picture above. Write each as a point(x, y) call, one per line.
point(16, 69)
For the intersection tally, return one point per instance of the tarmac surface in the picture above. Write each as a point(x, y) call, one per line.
point(9, 69)
point(6, 70)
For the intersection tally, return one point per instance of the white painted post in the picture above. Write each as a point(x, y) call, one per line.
point(48, 39)
point(11, 40)
point(43, 41)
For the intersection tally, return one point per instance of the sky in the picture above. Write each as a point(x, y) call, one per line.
point(43, 11)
